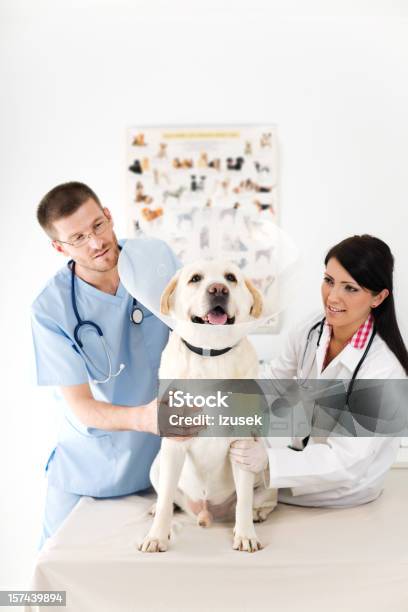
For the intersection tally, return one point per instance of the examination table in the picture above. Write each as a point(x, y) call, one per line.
point(314, 559)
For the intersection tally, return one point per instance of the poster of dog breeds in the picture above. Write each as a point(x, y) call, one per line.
point(207, 190)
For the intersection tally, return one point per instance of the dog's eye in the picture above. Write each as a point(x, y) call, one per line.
point(231, 277)
point(195, 278)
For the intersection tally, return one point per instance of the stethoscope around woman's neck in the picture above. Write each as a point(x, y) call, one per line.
point(320, 325)
point(136, 317)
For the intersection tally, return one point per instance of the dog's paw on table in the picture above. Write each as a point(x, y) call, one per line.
point(152, 544)
point(246, 543)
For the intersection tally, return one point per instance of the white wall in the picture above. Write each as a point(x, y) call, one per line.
point(75, 74)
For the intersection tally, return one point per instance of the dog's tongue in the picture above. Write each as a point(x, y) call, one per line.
point(217, 318)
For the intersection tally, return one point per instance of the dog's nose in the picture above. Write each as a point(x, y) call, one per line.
point(218, 289)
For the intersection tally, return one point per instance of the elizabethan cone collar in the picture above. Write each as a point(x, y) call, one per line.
point(263, 252)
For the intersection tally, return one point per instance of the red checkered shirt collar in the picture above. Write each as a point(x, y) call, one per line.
point(359, 340)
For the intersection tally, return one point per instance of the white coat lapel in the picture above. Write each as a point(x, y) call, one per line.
point(350, 356)
point(344, 364)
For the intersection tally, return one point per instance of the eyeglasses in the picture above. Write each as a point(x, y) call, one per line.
point(81, 239)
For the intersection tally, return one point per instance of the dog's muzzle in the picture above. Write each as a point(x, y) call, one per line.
point(217, 314)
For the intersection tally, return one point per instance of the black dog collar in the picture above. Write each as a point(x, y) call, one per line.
point(207, 352)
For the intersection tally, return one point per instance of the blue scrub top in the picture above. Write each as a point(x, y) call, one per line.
point(90, 461)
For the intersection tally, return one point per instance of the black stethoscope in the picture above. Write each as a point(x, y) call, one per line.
point(320, 325)
point(136, 317)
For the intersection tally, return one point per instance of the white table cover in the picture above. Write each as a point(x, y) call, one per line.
point(314, 559)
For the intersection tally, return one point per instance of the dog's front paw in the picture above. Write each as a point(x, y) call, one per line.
point(248, 543)
point(153, 544)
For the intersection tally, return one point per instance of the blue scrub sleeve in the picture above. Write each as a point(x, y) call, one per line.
point(57, 363)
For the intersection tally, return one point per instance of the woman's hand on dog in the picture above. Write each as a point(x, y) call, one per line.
point(250, 455)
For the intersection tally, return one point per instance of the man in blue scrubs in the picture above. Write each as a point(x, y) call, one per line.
point(108, 439)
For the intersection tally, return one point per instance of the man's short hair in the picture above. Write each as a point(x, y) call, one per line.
point(63, 201)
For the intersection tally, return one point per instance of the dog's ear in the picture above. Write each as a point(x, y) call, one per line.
point(167, 293)
point(256, 309)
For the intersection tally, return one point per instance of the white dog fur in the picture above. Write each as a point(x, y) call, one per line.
point(196, 473)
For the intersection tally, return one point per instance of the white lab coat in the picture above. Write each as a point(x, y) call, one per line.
point(332, 471)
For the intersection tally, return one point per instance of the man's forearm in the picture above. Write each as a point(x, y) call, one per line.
point(102, 415)
point(108, 416)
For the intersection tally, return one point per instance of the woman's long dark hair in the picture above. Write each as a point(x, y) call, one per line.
point(370, 262)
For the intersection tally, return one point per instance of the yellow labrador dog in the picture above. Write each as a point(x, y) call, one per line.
point(196, 473)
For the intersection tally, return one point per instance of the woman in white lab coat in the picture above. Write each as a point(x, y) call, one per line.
point(356, 336)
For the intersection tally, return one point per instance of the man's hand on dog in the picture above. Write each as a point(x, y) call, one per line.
point(174, 432)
